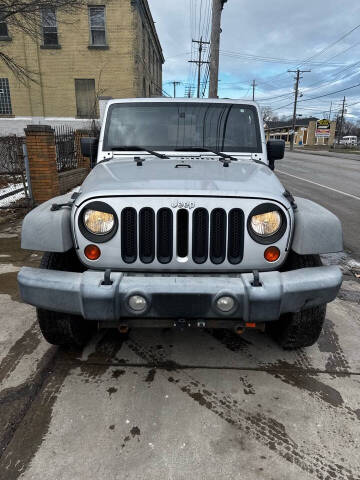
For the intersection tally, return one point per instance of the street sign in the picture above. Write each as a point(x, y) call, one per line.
point(323, 128)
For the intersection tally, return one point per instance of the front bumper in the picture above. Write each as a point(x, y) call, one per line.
point(179, 296)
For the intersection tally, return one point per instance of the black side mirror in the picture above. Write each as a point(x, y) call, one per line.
point(275, 151)
point(89, 148)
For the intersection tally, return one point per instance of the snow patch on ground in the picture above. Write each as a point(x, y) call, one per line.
point(6, 202)
point(347, 264)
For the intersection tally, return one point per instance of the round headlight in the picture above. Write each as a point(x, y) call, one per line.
point(266, 224)
point(98, 223)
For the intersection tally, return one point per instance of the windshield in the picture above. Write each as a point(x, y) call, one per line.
point(180, 126)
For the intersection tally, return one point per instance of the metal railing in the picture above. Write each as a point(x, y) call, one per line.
point(66, 158)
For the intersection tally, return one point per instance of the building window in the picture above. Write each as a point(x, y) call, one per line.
point(3, 29)
point(49, 26)
point(86, 106)
point(97, 25)
point(5, 101)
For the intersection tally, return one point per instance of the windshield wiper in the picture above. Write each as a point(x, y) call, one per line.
point(201, 149)
point(224, 155)
point(139, 148)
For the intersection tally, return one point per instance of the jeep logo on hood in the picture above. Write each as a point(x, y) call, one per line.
point(179, 204)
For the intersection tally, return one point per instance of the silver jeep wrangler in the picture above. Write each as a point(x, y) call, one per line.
point(181, 222)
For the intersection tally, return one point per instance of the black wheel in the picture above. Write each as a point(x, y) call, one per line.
point(62, 328)
point(301, 329)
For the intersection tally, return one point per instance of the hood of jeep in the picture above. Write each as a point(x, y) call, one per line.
point(181, 177)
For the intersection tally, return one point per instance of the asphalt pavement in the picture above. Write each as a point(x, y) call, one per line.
point(331, 181)
point(184, 404)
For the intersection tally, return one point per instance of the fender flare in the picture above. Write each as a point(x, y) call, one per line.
point(317, 230)
point(48, 231)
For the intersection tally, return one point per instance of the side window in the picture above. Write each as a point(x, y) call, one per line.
point(5, 101)
point(3, 29)
point(85, 98)
point(97, 25)
point(49, 26)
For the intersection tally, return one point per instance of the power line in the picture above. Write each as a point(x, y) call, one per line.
point(331, 45)
point(321, 96)
point(304, 62)
point(322, 85)
point(252, 57)
point(189, 91)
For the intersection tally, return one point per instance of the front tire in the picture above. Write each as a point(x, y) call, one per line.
point(300, 329)
point(62, 328)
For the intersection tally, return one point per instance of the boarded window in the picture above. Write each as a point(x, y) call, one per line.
point(85, 98)
point(49, 26)
point(97, 25)
point(5, 101)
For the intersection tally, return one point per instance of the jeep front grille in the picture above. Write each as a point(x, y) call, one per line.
point(129, 235)
point(198, 235)
point(164, 235)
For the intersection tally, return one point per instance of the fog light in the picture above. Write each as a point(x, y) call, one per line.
point(92, 252)
point(137, 303)
point(225, 304)
point(272, 254)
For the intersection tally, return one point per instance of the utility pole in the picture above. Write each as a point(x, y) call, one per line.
point(175, 84)
point(330, 111)
point(341, 121)
point(189, 91)
point(217, 7)
point(200, 62)
point(253, 88)
point(298, 78)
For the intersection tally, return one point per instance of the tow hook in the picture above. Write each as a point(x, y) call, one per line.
point(256, 282)
point(107, 280)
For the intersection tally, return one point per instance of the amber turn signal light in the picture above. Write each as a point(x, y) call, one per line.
point(92, 252)
point(272, 254)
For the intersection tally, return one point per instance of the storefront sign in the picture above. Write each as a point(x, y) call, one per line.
point(323, 128)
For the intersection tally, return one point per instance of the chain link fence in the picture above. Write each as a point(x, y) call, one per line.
point(13, 183)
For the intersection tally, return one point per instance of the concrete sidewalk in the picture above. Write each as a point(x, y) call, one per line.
point(164, 404)
point(326, 153)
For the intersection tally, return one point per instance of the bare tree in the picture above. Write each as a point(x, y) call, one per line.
point(24, 16)
point(268, 115)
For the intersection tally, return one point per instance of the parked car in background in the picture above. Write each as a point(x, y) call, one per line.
point(349, 140)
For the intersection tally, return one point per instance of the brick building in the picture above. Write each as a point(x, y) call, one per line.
point(108, 48)
point(305, 132)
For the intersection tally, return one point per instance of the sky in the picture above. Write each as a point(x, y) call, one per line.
point(260, 41)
